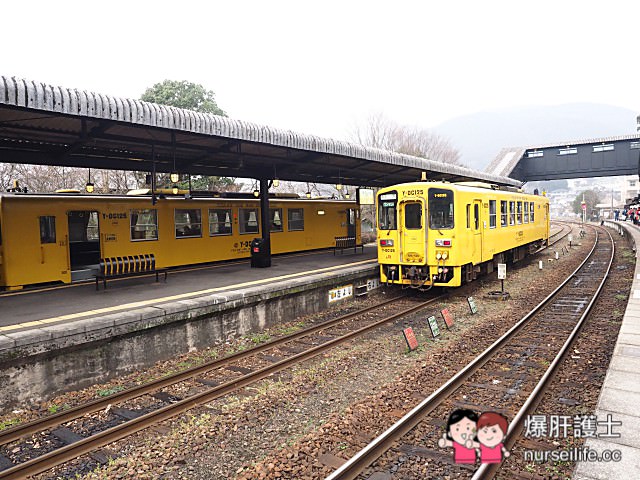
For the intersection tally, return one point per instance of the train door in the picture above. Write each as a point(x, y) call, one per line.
point(413, 234)
point(476, 228)
point(53, 249)
point(84, 243)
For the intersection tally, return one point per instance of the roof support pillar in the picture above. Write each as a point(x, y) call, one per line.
point(265, 222)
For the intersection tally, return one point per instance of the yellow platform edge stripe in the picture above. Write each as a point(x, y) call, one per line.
point(182, 296)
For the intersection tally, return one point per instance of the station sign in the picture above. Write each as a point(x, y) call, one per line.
point(340, 293)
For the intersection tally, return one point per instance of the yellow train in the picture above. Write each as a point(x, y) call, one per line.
point(445, 234)
point(63, 237)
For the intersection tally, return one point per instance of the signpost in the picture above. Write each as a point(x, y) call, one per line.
point(433, 324)
point(472, 305)
point(448, 318)
point(502, 274)
point(410, 337)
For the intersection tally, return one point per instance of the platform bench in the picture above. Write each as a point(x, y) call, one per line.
point(347, 242)
point(129, 266)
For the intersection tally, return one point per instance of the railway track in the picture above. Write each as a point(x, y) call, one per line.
point(137, 408)
point(522, 361)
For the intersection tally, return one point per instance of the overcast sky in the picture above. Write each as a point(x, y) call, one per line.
point(322, 67)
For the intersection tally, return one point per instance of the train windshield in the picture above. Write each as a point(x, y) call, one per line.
point(387, 211)
point(440, 208)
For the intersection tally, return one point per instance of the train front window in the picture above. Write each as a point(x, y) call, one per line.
point(144, 224)
point(188, 222)
point(413, 216)
point(387, 211)
point(440, 208)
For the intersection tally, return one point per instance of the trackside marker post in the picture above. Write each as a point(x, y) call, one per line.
point(410, 337)
point(472, 305)
point(433, 325)
point(448, 318)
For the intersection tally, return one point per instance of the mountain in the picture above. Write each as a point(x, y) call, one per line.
point(480, 136)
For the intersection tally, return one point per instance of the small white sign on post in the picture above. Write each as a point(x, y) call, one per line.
point(502, 271)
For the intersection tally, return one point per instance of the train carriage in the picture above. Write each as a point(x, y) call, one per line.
point(63, 237)
point(445, 234)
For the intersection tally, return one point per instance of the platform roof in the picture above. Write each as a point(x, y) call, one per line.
point(43, 124)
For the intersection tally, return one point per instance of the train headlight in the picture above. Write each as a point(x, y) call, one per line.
point(438, 256)
point(440, 269)
point(444, 255)
point(386, 243)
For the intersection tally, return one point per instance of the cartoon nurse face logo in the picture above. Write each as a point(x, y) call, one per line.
point(490, 436)
point(492, 430)
point(461, 430)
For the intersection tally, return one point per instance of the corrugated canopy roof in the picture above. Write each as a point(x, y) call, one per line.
point(42, 124)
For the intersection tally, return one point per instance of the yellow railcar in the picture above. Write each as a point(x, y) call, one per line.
point(62, 237)
point(437, 233)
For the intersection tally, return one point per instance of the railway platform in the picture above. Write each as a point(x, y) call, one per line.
point(620, 394)
point(67, 337)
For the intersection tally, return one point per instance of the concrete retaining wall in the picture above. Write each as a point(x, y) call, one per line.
point(40, 363)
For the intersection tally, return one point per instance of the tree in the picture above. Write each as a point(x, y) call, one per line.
point(591, 198)
point(191, 96)
point(183, 94)
point(381, 132)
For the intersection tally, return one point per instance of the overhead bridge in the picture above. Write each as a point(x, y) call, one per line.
point(600, 157)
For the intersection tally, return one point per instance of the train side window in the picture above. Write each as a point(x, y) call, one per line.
point(512, 213)
point(188, 222)
point(413, 216)
point(503, 213)
point(220, 222)
point(468, 215)
point(295, 219)
point(492, 214)
point(531, 210)
point(526, 212)
point(275, 216)
point(440, 208)
point(144, 224)
point(248, 218)
point(519, 206)
point(47, 229)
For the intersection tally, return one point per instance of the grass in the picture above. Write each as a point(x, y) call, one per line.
point(110, 391)
point(9, 423)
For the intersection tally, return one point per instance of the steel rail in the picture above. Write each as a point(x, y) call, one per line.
point(29, 428)
point(488, 471)
point(354, 466)
point(57, 457)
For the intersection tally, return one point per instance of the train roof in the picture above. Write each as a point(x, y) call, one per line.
point(465, 186)
point(76, 195)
